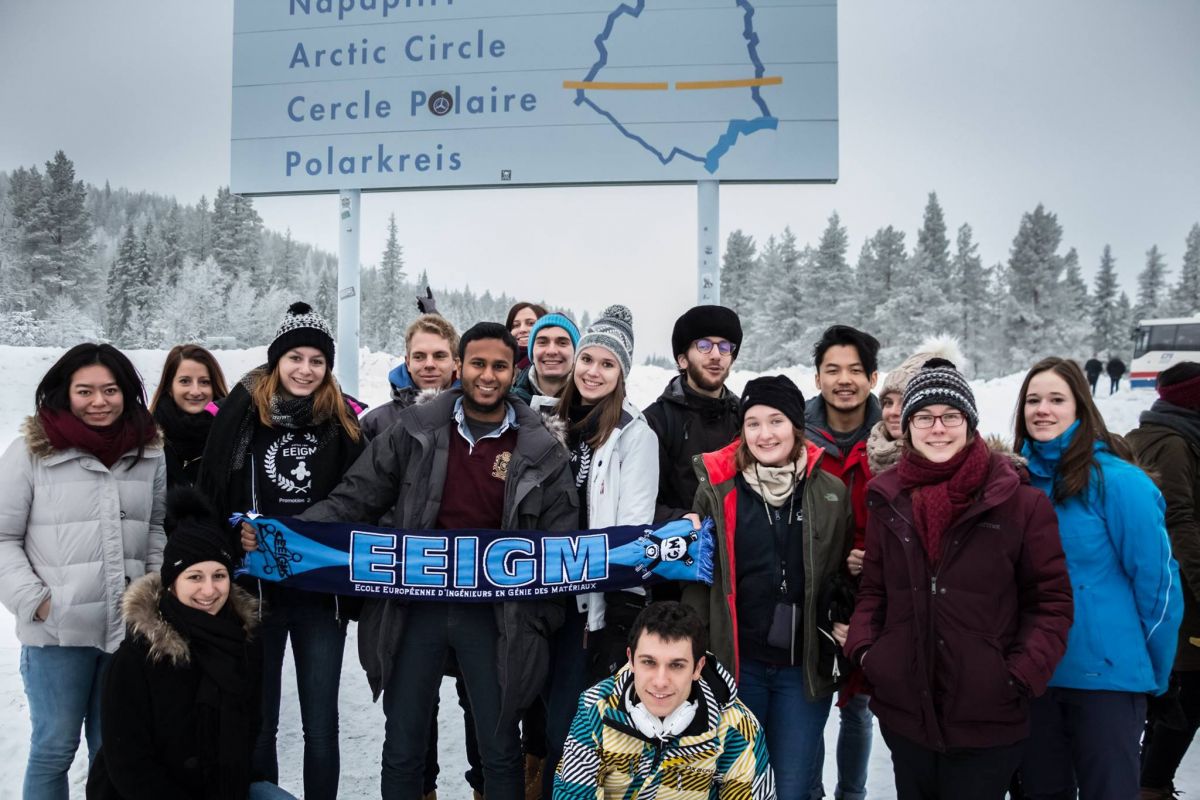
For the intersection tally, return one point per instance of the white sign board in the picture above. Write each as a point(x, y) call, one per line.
point(415, 94)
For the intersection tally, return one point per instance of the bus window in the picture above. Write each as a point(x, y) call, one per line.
point(1188, 337)
point(1141, 343)
point(1162, 337)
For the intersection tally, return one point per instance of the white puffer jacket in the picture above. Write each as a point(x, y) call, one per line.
point(622, 488)
point(78, 533)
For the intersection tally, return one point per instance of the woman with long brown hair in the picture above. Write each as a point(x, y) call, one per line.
point(191, 382)
point(281, 442)
point(1086, 729)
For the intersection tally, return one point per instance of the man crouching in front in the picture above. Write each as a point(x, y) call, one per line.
point(668, 725)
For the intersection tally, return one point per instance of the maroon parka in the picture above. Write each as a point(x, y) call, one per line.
point(954, 655)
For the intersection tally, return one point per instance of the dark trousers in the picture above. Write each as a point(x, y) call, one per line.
point(1164, 748)
point(568, 679)
point(979, 773)
point(1083, 741)
point(1093, 381)
point(1114, 385)
point(431, 630)
point(318, 639)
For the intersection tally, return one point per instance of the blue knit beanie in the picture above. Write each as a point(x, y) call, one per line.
point(554, 320)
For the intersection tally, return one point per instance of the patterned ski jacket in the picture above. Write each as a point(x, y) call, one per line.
point(722, 755)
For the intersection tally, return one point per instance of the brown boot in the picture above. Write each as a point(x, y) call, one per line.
point(533, 777)
point(1165, 793)
point(432, 795)
point(476, 794)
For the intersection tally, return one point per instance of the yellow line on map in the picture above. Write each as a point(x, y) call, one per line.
point(771, 80)
point(617, 86)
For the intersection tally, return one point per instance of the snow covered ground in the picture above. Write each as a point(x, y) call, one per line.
point(361, 720)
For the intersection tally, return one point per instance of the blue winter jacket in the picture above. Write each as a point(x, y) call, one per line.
point(1128, 601)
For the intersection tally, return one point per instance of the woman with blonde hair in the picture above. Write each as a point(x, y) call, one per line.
point(281, 442)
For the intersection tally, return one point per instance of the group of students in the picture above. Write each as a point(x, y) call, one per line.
point(1003, 612)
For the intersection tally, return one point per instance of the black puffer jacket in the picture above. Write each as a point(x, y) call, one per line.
point(398, 483)
point(687, 424)
point(149, 708)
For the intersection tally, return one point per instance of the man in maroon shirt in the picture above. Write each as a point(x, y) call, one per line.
point(466, 459)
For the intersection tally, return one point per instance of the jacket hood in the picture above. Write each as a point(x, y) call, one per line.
point(716, 691)
point(139, 607)
point(1043, 457)
point(39, 445)
point(400, 379)
point(816, 418)
point(1178, 420)
point(721, 467)
point(675, 392)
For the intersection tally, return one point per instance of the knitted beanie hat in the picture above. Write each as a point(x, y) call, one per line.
point(778, 392)
point(700, 321)
point(1180, 385)
point(194, 534)
point(555, 320)
point(302, 327)
point(938, 382)
point(612, 330)
point(939, 347)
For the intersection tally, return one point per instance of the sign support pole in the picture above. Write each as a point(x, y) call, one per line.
point(349, 206)
point(708, 247)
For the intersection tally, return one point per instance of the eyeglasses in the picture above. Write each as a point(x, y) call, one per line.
point(705, 346)
point(951, 419)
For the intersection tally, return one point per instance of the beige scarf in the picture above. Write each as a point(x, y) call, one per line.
point(775, 484)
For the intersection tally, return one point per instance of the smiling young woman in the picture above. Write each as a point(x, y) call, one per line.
point(282, 441)
point(190, 383)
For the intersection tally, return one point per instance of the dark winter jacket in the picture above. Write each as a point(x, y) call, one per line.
point(398, 482)
point(853, 467)
point(954, 655)
point(687, 424)
point(149, 708)
point(1167, 443)
point(404, 392)
point(1093, 368)
point(1115, 368)
point(827, 518)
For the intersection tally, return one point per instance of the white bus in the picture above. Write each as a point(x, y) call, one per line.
point(1161, 343)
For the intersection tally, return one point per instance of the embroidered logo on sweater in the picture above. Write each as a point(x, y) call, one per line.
point(286, 462)
point(500, 467)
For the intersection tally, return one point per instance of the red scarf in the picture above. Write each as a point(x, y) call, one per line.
point(65, 430)
point(942, 492)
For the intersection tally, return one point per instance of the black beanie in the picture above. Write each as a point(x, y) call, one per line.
point(701, 321)
point(778, 392)
point(195, 533)
point(302, 327)
point(939, 382)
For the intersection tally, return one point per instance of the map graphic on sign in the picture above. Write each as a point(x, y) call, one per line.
point(741, 24)
point(422, 94)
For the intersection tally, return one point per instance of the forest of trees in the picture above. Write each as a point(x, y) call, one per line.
point(1005, 316)
point(141, 270)
point(79, 262)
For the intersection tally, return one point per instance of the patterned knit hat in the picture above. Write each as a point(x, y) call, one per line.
point(939, 382)
point(938, 347)
point(302, 327)
point(612, 330)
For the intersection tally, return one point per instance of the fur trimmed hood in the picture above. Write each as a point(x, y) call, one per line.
point(139, 606)
point(39, 445)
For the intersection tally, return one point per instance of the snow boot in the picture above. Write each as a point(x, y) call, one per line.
point(1165, 793)
point(533, 777)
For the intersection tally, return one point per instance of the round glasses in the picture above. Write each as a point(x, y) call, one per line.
point(725, 348)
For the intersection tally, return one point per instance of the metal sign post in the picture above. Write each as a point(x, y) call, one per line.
point(349, 206)
point(708, 247)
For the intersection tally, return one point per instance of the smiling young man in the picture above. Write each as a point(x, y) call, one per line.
point(668, 725)
point(552, 342)
point(508, 472)
point(430, 362)
point(696, 413)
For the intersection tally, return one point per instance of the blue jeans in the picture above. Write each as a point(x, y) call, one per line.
point(794, 726)
point(430, 630)
point(854, 748)
point(318, 639)
point(62, 685)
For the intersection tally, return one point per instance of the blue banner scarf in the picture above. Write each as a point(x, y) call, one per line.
point(480, 566)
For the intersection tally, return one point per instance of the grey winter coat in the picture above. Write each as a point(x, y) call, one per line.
point(398, 483)
point(78, 533)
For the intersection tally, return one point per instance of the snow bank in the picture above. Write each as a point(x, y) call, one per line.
point(361, 720)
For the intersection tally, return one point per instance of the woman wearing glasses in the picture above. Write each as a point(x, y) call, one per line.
point(964, 604)
point(1087, 728)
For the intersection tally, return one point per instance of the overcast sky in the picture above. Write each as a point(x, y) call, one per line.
point(1089, 106)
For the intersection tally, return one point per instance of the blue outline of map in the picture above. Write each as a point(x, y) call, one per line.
point(737, 127)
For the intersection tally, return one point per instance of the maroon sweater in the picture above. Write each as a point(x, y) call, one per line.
point(474, 494)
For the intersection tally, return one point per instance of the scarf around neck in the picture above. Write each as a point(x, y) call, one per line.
point(883, 452)
point(942, 492)
point(64, 430)
point(775, 484)
point(187, 433)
